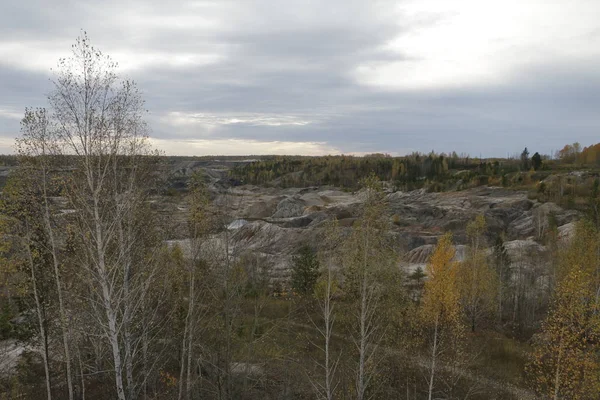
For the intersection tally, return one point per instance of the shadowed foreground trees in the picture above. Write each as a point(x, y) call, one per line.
point(98, 119)
point(24, 251)
point(95, 131)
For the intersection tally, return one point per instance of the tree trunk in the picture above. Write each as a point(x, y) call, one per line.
point(360, 384)
point(127, 336)
point(145, 362)
point(433, 359)
point(228, 322)
point(183, 359)
point(113, 339)
point(500, 287)
point(113, 335)
point(190, 330)
point(81, 375)
point(41, 322)
point(123, 210)
point(557, 373)
point(61, 307)
point(328, 332)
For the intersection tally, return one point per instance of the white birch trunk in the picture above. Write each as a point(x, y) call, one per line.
point(107, 297)
point(328, 317)
point(61, 307)
point(433, 360)
point(40, 321)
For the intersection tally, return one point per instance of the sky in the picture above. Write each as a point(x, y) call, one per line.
point(317, 77)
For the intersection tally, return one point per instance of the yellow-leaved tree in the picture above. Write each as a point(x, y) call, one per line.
point(565, 362)
point(440, 310)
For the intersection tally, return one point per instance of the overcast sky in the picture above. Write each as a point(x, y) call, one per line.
point(327, 76)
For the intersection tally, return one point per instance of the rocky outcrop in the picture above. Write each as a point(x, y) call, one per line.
point(421, 254)
point(525, 251)
point(273, 223)
point(535, 222)
point(290, 207)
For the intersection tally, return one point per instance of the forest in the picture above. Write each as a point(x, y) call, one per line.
point(103, 304)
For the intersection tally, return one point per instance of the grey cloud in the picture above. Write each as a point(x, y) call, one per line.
point(296, 61)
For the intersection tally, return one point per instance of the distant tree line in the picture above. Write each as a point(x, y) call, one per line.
point(574, 154)
point(436, 171)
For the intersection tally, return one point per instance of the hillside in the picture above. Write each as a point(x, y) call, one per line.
point(261, 228)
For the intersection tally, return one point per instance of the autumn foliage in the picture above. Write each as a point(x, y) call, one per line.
point(565, 362)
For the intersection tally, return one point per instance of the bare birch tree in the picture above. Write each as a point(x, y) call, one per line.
point(37, 149)
point(101, 132)
point(23, 236)
point(324, 292)
point(200, 223)
point(367, 257)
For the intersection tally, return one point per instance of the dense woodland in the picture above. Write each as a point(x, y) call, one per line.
point(107, 309)
point(434, 172)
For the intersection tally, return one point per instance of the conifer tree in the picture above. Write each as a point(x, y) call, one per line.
point(305, 270)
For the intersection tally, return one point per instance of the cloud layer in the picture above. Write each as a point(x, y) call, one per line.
point(304, 77)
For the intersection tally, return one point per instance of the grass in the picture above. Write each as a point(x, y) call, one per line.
point(500, 357)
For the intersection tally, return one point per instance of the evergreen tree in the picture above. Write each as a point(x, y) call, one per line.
point(536, 161)
point(501, 261)
point(525, 159)
point(305, 270)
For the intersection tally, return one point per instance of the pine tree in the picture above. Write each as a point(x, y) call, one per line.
point(305, 270)
point(536, 161)
point(525, 160)
point(501, 262)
